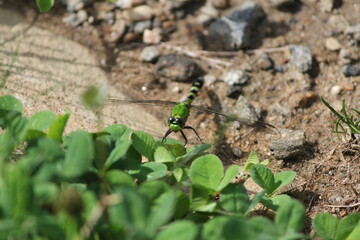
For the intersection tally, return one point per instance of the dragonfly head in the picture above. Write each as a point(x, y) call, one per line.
point(175, 124)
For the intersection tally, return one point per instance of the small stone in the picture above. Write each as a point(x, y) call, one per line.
point(344, 56)
point(115, 32)
point(178, 68)
point(338, 23)
point(131, 37)
point(348, 87)
point(237, 152)
point(75, 19)
point(290, 145)
point(264, 62)
point(353, 29)
point(244, 110)
point(335, 90)
point(141, 26)
point(301, 57)
point(326, 5)
point(233, 32)
point(220, 3)
point(123, 4)
point(141, 13)
point(177, 4)
point(235, 77)
point(281, 3)
point(149, 54)
point(209, 80)
point(332, 44)
point(277, 108)
point(351, 71)
point(302, 99)
point(74, 5)
point(207, 14)
point(152, 36)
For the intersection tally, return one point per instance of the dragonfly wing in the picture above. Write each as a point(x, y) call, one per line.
point(258, 125)
point(141, 102)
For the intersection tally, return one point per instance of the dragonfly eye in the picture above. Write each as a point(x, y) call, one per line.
point(179, 121)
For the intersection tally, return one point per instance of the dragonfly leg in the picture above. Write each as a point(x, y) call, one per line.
point(166, 134)
point(188, 127)
point(182, 133)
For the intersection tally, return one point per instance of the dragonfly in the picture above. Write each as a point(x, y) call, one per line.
point(181, 112)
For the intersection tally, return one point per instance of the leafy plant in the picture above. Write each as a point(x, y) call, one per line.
point(350, 120)
point(124, 184)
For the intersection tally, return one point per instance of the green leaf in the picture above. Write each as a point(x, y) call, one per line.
point(326, 225)
point(16, 195)
point(131, 212)
point(144, 143)
point(163, 155)
point(257, 199)
point(152, 190)
point(192, 153)
point(182, 205)
point(207, 171)
point(283, 178)
point(290, 217)
point(149, 171)
point(252, 160)
point(119, 154)
point(45, 5)
point(179, 230)
point(176, 149)
point(161, 212)
point(347, 225)
point(41, 120)
point(226, 228)
point(79, 154)
point(119, 178)
point(118, 131)
point(263, 177)
point(10, 103)
point(57, 127)
point(230, 173)
point(45, 192)
point(178, 174)
point(234, 198)
point(355, 234)
point(199, 197)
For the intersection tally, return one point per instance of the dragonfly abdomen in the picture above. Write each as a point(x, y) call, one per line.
point(194, 90)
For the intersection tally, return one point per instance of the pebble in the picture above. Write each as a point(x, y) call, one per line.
point(351, 70)
point(75, 19)
point(207, 14)
point(338, 23)
point(116, 31)
point(150, 54)
point(74, 5)
point(280, 3)
point(237, 152)
point(302, 99)
point(344, 56)
point(326, 5)
point(141, 26)
point(123, 4)
point(141, 13)
point(301, 57)
point(176, 4)
point(332, 44)
point(290, 145)
point(335, 90)
point(233, 32)
point(220, 3)
point(178, 68)
point(264, 62)
point(353, 29)
point(235, 77)
point(152, 36)
point(244, 110)
point(277, 108)
point(209, 79)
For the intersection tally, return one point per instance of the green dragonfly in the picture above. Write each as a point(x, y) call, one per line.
point(181, 111)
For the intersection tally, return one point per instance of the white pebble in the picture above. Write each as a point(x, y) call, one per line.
point(335, 90)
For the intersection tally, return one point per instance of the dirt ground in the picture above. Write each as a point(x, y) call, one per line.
point(328, 177)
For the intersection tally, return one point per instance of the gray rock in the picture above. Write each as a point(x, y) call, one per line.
point(75, 19)
point(351, 70)
point(235, 77)
point(209, 79)
point(178, 68)
point(301, 57)
point(234, 91)
point(149, 54)
point(233, 31)
point(277, 108)
point(245, 111)
point(75, 5)
point(290, 145)
point(338, 23)
point(123, 4)
point(264, 62)
point(141, 26)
